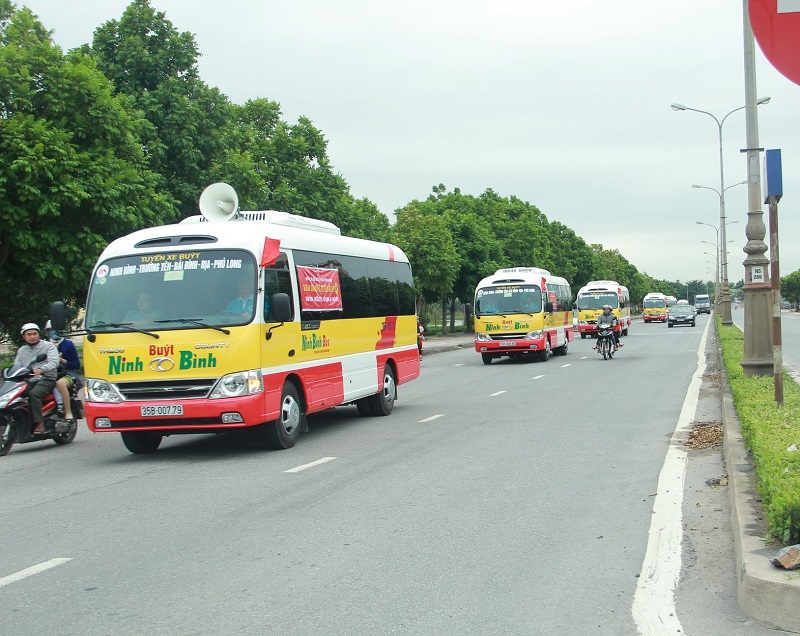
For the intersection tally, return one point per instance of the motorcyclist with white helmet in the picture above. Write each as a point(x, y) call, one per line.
point(608, 319)
point(43, 380)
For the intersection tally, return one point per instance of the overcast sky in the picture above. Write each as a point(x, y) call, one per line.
point(565, 105)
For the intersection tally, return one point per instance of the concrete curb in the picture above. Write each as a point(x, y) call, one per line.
point(768, 594)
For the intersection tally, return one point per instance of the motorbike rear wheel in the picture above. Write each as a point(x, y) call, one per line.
point(65, 438)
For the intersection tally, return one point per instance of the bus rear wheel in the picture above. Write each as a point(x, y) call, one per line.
point(283, 431)
point(140, 442)
point(487, 358)
point(382, 402)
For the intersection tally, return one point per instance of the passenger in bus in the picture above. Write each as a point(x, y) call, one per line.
point(242, 305)
point(145, 309)
point(608, 319)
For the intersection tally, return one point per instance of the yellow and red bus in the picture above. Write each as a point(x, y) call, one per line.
point(258, 319)
point(654, 307)
point(522, 311)
point(590, 301)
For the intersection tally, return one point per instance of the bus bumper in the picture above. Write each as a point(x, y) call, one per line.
point(197, 415)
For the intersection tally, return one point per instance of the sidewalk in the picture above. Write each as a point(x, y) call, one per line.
point(449, 342)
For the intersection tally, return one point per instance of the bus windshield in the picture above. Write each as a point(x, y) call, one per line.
point(596, 300)
point(172, 290)
point(509, 299)
point(655, 302)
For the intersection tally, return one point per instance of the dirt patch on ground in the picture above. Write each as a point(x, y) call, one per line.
point(704, 435)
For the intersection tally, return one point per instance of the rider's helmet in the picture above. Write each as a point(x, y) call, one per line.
point(607, 307)
point(29, 326)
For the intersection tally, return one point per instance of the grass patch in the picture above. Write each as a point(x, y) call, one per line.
point(771, 434)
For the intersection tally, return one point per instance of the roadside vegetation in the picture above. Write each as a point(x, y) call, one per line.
point(771, 434)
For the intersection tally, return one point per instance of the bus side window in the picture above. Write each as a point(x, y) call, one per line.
point(275, 281)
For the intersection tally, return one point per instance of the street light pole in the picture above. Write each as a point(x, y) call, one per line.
point(725, 294)
point(717, 291)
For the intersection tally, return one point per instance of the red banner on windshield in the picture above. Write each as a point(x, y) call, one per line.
point(319, 289)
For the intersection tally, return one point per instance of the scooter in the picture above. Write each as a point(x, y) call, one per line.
point(605, 342)
point(15, 412)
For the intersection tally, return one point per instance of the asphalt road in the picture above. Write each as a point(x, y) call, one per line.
point(514, 498)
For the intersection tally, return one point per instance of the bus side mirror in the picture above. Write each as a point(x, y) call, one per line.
point(574, 306)
point(58, 315)
point(478, 309)
point(548, 307)
point(281, 307)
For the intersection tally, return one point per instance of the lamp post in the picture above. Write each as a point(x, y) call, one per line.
point(720, 291)
point(725, 295)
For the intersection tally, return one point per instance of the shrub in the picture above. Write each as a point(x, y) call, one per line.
point(772, 435)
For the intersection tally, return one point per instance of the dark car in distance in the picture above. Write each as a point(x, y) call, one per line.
point(681, 315)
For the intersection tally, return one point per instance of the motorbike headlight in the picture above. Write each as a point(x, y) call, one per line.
point(534, 335)
point(238, 384)
point(483, 337)
point(102, 391)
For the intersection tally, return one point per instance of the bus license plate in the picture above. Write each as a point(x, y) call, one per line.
point(160, 410)
point(508, 343)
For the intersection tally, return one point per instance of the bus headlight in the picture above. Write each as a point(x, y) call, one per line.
point(483, 337)
point(534, 335)
point(238, 384)
point(102, 391)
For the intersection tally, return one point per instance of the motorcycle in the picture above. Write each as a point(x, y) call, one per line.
point(605, 342)
point(15, 413)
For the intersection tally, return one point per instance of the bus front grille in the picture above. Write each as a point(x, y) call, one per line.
point(166, 389)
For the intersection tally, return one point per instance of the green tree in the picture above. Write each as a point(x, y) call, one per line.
point(790, 287)
point(153, 63)
point(72, 171)
point(427, 242)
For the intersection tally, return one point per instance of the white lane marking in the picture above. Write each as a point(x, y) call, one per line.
point(431, 418)
point(564, 366)
point(496, 394)
point(653, 608)
point(297, 469)
point(585, 358)
point(460, 364)
point(34, 569)
point(537, 377)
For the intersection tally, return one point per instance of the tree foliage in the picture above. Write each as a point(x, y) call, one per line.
point(72, 171)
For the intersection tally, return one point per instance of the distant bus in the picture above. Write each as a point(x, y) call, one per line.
point(654, 307)
point(523, 311)
point(671, 302)
point(702, 302)
point(592, 297)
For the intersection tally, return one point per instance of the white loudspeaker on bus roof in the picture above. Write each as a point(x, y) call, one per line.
point(219, 202)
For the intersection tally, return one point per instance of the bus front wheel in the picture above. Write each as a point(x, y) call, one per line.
point(283, 431)
point(140, 443)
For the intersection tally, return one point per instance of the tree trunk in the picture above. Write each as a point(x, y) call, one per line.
point(444, 315)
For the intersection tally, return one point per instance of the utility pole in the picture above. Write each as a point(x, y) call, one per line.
point(758, 355)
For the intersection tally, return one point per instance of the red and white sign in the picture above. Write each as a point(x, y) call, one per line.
point(319, 289)
point(776, 27)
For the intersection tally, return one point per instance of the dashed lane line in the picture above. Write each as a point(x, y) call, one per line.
point(34, 569)
point(297, 469)
point(431, 418)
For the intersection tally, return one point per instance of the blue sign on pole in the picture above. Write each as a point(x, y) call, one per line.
point(773, 179)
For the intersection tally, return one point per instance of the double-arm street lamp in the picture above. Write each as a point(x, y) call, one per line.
point(725, 296)
point(721, 249)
